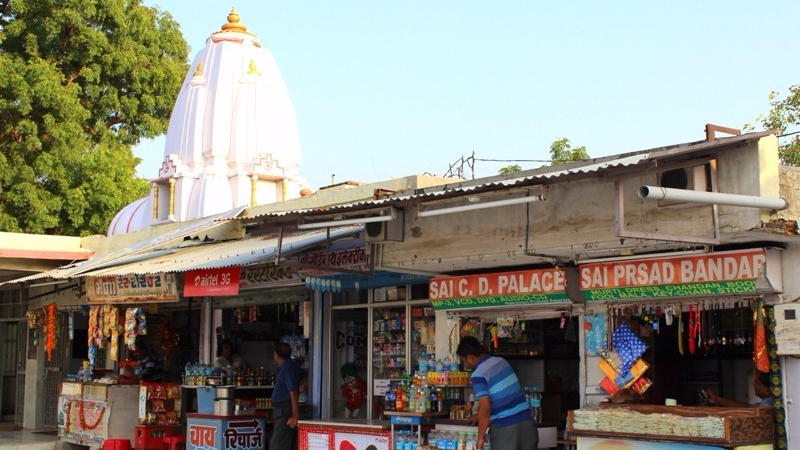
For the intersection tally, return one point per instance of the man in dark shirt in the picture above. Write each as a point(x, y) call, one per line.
point(285, 399)
point(148, 368)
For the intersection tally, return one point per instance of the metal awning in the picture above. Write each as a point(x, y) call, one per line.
point(240, 252)
point(135, 252)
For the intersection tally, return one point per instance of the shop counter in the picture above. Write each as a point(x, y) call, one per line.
point(659, 427)
point(548, 433)
point(332, 434)
point(90, 413)
point(229, 432)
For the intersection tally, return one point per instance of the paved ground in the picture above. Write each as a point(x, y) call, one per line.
point(11, 439)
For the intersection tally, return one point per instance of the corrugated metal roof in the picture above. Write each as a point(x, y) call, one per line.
point(549, 174)
point(135, 251)
point(466, 189)
point(227, 254)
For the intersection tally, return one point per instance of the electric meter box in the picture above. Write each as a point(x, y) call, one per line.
point(787, 328)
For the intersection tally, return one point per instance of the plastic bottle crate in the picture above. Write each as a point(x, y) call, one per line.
point(150, 437)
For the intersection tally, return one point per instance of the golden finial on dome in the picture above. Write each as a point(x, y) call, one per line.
point(233, 22)
point(253, 69)
point(199, 71)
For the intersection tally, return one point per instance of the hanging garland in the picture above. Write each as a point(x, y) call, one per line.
point(67, 420)
point(51, 325)
point(82, 415)
point(760, 350)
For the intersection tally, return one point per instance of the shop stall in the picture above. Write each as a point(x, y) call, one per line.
point(120, 390)
point(660, 329)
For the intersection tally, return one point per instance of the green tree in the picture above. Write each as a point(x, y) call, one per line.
point(784, 115)
point(561, 152)
point(81, 83)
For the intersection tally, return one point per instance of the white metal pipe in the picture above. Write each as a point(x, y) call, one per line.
point(493, 204)
point(353, 221)
point(715, 198)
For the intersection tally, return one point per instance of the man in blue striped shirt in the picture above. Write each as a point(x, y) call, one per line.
point(501, 401)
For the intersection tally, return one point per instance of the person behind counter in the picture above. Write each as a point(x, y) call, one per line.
point(285, 399)
point(226, 357)
point(761, 383)
point(501, 401)
point(148, 368)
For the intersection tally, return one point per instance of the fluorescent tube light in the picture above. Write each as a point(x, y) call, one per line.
point(353, 221)
point(472, 207)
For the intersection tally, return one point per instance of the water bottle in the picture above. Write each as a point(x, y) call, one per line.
point(452, 441)
point(441, 441)
point(433, 440)
point(472, 438)
point(487, 442)
point(423, 364)
point(399, 441)
point(534, 398)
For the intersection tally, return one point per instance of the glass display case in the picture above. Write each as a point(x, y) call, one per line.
point(423, 334)
point(389, 343)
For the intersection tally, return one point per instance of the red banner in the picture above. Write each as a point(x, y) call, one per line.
point(212, 282)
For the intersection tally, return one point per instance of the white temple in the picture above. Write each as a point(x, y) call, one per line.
point(232, 139)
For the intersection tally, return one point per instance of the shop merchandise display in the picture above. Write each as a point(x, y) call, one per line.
point(627, 421)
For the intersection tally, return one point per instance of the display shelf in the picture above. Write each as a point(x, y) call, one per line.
point(159, 404)
point(413, 419)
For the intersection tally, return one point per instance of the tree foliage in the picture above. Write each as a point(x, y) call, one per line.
point(509, 169)
point(784, 116)
point(81, 83)
point(561, 152)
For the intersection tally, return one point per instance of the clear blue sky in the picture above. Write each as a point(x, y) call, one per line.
point(384, 89)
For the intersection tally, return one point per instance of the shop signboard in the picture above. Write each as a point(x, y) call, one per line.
point(268, 275)
point(498, 289)
point(738, 272)
point(348, 254)
point(151, 288)
point(205, 432)
point(212, 282)
point(723, 273)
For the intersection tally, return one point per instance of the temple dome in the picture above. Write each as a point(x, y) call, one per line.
point(232, 139)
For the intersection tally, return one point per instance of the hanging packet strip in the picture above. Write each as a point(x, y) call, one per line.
point(628, 346)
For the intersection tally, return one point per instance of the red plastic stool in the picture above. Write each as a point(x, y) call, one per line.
point(117, 444)
point(173, 443)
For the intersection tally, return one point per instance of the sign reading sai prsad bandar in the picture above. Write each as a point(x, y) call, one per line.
point(723, 273)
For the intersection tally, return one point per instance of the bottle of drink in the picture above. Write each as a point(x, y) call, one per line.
point(423, 364)
point(400, 403)
point(534, 398)
point(389, 400)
